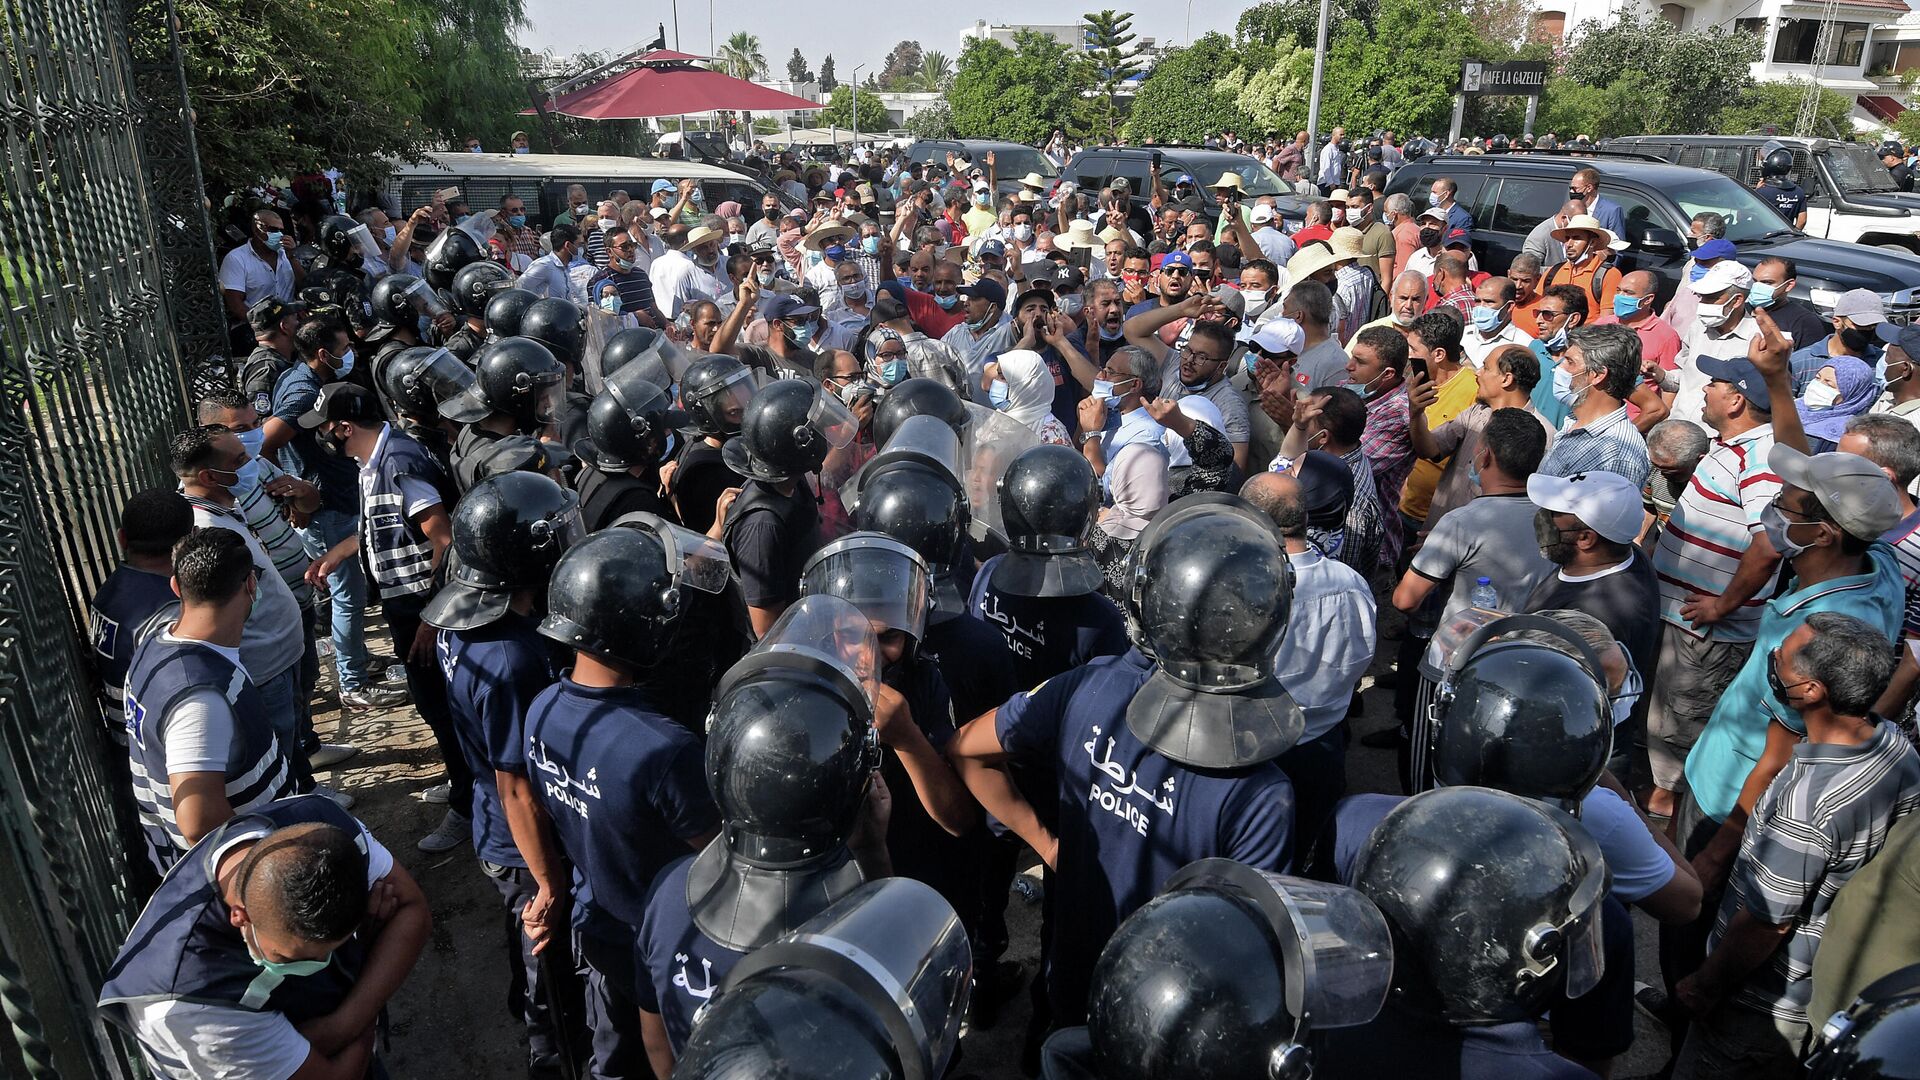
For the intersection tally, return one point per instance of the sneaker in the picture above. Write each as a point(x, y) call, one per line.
point(327, 755)
point(454, 831)
point(340, 798)
point(439, 794)
point(373, 697)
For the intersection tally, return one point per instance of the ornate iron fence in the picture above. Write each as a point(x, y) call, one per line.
point(107, 277)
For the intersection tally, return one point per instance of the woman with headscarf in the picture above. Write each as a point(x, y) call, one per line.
point(1839, 391)
point(1021, 385)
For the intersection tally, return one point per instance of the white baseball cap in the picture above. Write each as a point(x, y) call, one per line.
point(1605, 502)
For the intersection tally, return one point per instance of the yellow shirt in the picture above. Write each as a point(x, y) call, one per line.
point(1456, 396)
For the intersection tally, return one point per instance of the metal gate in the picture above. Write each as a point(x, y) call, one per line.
point(107, 278)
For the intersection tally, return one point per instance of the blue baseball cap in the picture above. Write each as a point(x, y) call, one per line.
point(1177, 258)
point(1715, 249)
point(660, 186)
point(786, 306)
point(1741, 374)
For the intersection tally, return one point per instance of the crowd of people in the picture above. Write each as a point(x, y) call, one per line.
point(777, 582)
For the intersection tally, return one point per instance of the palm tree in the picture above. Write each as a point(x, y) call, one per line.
point(935, 71)
point(741, 57)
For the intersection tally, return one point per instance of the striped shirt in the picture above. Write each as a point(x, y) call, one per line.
point(1817, 824)
point(1904, 538)
point(1710, 529)
point(276, 535)
point(1609, 444)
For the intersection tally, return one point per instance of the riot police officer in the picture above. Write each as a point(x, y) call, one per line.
point(1778, 190)
point(1224, 975)
point(1494, 903)
point(1158, 761)
point(773, 527)
point(714, 392)
point(875, 986)
point(508, 532)
point(1043, 594)
point(1877, 1037)
point(621, 783)
point(516, 394)
point(632, 429)
point(789, 757)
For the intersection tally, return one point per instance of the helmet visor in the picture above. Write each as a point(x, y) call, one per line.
point(832, 419)
point(883, 577)
point(444, 376)
point(425, 300)
point(829, 629)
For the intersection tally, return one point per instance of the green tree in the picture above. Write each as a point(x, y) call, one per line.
point(1776, 106)
point(797, 70)
point(839, 111)
point(1370, 83)
point(900, 67)
point(1184, 99)
point(1689, 75)
point(1109, 35)
point(741, 58)
point(1022, 93)
point(827, 81)
point(933, 122)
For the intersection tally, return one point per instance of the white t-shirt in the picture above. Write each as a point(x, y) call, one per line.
point(229, 1043)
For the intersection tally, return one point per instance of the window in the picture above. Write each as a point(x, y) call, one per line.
point(1519, 205)
point(1796, 39)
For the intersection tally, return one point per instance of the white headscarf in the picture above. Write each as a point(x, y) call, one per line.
point(1029, 386)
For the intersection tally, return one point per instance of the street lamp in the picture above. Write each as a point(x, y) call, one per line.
point(855, 84)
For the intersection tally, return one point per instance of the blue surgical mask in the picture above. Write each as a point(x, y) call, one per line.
point(346, 365)
point(1625, 306)
point(948, 303)
point(1761, 295)
point(610, 304)
point(1486, 319)
point(273, 239)
point(1563, 390)
point(518, 221)
point(998, 394)
point(285, 969)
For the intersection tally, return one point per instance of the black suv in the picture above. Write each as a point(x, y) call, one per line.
point(1094, 168)
point(1509, 194)
point(1011, 160)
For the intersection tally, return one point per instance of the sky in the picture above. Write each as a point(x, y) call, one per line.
point(567, 26)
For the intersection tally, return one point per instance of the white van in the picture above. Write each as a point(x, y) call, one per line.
point(541, 180)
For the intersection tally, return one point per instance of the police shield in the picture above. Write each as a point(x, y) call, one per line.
point(876, 986)
point(994, 440)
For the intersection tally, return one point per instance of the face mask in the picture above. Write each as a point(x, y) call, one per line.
point(1625, 306)
point(1563, 390)
point(1777, 526)
point(1429, 237)
point(1023, 234)
point(1696, 272)
point(518, 221)
point(389, 234)
point(948, 303)
point(345, 365)
point(523, 149)
point(1820, 395)
point(1761, 295)
point(610, 304)
point(998, 394)
point(1486, 319)
point(286, 969)
point(273, 240)
point(1713, 314)
point(801, 335)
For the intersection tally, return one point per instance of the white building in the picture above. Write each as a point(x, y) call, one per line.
point(1868, 35)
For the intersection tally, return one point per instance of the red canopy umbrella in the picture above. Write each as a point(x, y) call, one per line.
point(666, 83)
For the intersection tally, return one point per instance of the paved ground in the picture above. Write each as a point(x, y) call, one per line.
point(450, 1018)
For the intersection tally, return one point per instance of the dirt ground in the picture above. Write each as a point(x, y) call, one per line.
point(451, 1020)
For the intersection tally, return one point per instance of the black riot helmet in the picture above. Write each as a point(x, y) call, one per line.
point(1494, 901)
point(787, 430)
point(475, 284)
point(715, 392)
point(1522, 715)
point(517, 376)
point(615, 596)
point(1208, 594)
point(1777, 164)
point(631, 423)
point(418, 380)
point(555, 323)
point(508, 532)
point(875, 986)
point(1048, 499)
point(1875, 1038)
point(1225, 973)
point(453, 249)
point(336, 239)
point(651, 352)
point(918, 397)
point(504, 311)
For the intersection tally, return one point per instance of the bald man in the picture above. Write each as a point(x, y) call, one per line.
point(270, 949)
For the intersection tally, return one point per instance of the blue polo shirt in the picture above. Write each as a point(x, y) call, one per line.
point(493, 674)
point(1731, 743)
point(624, 785)
point(681, 968)
point(1129, 818)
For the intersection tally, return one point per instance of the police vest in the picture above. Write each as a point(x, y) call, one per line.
point(398, 556)
point(162, 673)
point(605, 497)
point(185, 947)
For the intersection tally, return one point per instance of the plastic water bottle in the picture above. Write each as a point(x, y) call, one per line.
point(1484, 595)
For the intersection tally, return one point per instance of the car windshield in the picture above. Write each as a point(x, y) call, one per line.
point(1012, 164)
point(1255, 178)
point(1856, 169)
point(1747, 217)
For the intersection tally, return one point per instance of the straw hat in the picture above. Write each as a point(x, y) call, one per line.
point(1079, 234)
point(1585, 223)
point(827, 235)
